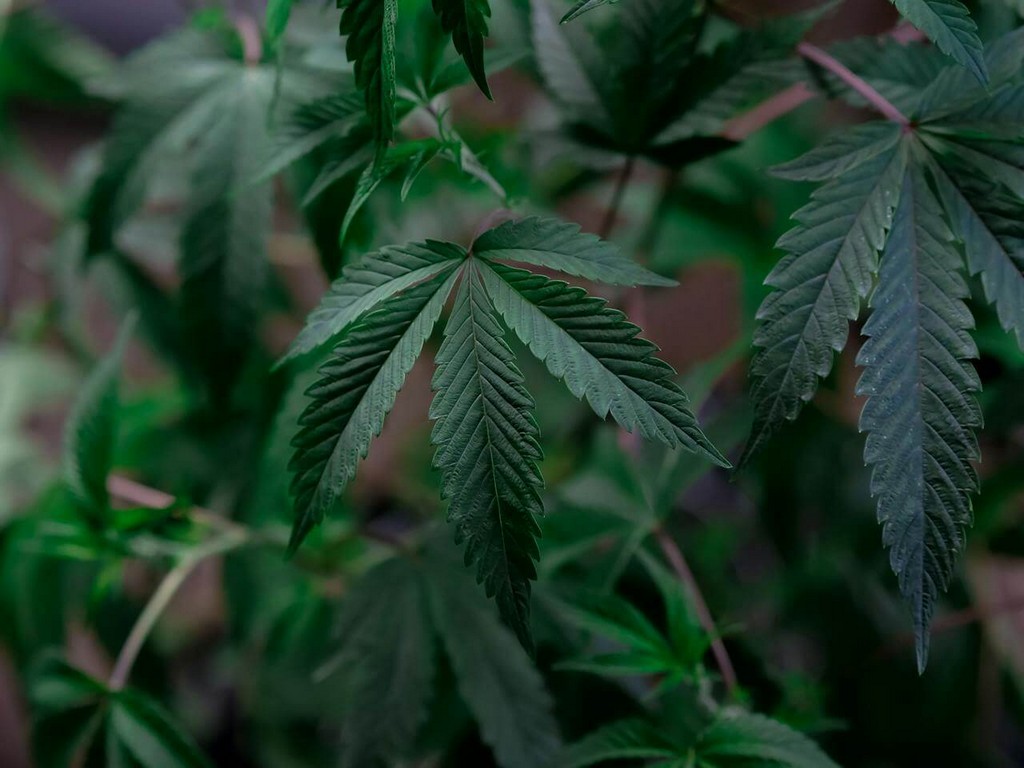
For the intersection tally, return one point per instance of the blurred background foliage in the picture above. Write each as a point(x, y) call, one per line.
point(786, 553)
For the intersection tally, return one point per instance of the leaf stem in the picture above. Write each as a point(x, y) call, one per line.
point(675, 558)
point(874, 98)
point(612, 214)
point(252, 42)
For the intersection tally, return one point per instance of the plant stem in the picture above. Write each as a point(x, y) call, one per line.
point(874, 98)
point(252, 42)
point(612, 214)
point(675, 558)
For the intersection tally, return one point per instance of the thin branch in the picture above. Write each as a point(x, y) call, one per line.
point(675, 558)
point(874, 98)
point(252, 39)
point(612, 214)
point(769, 110)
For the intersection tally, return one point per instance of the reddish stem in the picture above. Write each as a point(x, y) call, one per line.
point(874, 98)
point(252, 40)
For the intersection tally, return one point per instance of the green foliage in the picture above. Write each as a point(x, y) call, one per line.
point(370, 44)
point(92, 430)
point(486, 438)
point(948, 23)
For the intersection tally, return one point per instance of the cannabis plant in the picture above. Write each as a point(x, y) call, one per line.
point(532, 594)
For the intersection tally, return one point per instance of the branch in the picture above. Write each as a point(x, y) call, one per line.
point(252, 42)
point(874, 98)
point(617, 197)
point(675, 558)
point(753, 120)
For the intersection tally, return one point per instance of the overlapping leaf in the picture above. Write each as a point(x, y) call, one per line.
point(949, 25)
point(598, 355)
point(920, 413)
point(487, 450)
point(819, 286)
point(370, 29)
point(356, 390)
point(466, 22)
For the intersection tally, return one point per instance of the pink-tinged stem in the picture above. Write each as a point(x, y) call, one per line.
point(252, 40)
point(753, 120)
point(874, 98)
point(675, 558)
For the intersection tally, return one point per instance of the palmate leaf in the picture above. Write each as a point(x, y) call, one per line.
point(819, 286)
point(224, 235)
point(488, 451)
point(635, 739)
point(560, 245)
point(92, 429)
point(370, 28)
point(368, 281)
point(598, 355)
point(466, 22)
point(387, 657)
point(495, 677)
point(140, 727)
point(985, 218)
point(920, 413)
point(949, 25)
point(582, 6)
point(737, 739)
point(356, 390)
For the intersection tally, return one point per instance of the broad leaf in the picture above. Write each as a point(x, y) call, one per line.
point(949, 25)
point(370, 27)
point(921, 413)
point(368, 281)
point(466, 22)
point(488, 451)
point(92, 429)
point(599, 356)
point(561, 246)
point(737, 739)
point(277, 15)
point(355, 391)
point(819, 286)
point(495, 677)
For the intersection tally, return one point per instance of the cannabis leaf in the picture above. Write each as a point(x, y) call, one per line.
point(733, 739)
point(598, 355)
point(387, 653)
point(223, 241)
point(92, 429)
point(955, 174)
point(920, 413)
point(466, 22)
point(370, 45)
point(381, 312)
point(394, 624)
point(582, 6)
point(819, 286)
point(949, 25)
point(278, 12)
point(487, 450)
point(356, 390)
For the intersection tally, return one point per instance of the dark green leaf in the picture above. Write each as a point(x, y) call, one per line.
point(370, 27)
point(466, 22)
point(949, 25)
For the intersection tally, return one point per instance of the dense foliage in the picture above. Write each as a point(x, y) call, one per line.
point(564, 615)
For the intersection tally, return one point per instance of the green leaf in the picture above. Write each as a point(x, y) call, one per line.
point(91, 432)
point(370, 27)
point(633, 739)
point(488, 451)
point(224, 235)
point(949, 25)
point(355, 392)
point(920, 413)
point(466, 22)
point(985, 218)
point(562, 246)
point(599, 356)
point(367, 282)
point(582, 6)
point(495, 677)
point(172, 90)
point(737, 739)
point(66, 709)
point(278, 12)
point(410, 157)
point(386, 661)
point(147, 732)
point(828, 270)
